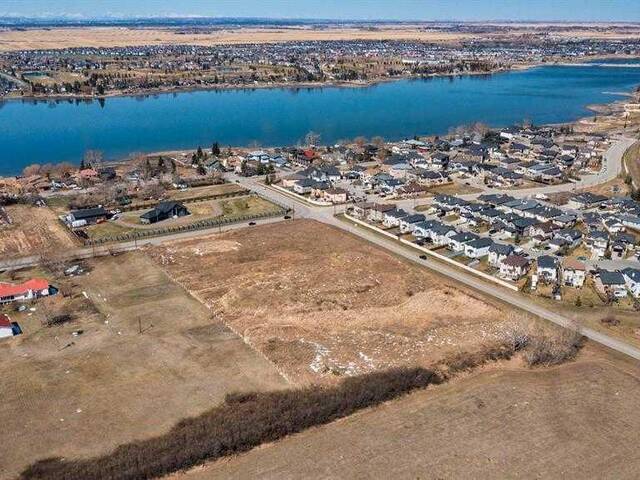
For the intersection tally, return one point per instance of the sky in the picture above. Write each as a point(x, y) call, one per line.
point(464, 10)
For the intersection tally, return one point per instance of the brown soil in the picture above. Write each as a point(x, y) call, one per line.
point(80, 396)
point(321, 303)
point(35, 230)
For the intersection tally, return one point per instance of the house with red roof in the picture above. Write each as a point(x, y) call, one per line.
point(29, 290)
point(6, 329)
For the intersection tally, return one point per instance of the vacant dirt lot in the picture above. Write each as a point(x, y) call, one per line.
point(81, 396)
point(34, 230)
point(322, 304)
point(575, 421)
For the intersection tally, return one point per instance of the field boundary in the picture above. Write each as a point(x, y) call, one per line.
point(198, 225)
point(200, 198)
point(435, 255)
point(246, 341)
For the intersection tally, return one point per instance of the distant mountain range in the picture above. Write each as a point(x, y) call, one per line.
point(187, 21)
point(166, 21)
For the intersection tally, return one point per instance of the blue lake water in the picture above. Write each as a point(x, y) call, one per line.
point(40, 132)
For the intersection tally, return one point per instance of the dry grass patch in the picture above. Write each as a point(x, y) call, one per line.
point(322, 303)
point(34, 230)
point(114, 385)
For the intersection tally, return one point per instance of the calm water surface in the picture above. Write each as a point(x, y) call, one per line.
point(40, 132)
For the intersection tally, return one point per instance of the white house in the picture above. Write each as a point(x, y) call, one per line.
point(5, 326)
point(392, 217)
point(303, 186)
point(458, 242)
point(407, 223)
point(547, 268)
point(632, 280)
point(478, 248)
point(611, 283)
point(441, 234)
point(574, 273)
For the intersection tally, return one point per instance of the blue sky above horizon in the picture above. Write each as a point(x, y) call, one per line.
point(464, 10)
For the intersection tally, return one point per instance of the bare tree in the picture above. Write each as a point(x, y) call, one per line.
point(378, 141)
point(311, 139)
point(480, 128)
point(31, 170)
point(93, 158)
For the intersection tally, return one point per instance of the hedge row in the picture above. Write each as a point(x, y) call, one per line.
point(200, 225)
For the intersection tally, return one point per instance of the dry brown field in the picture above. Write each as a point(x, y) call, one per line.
point(122, 36)
point(33, 231)
point(632, 163)
point(111, 36)
point(578, 420)
point(322, 304)
point(81, 396)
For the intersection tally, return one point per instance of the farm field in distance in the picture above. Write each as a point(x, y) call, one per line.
point(577, 420)
point(61, 37)
point(322, 304)
point(84, 395)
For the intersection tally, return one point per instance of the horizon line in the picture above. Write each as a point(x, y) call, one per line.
point(81, 18)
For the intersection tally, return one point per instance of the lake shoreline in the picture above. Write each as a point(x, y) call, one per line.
point(260, 86)
point(273, 118)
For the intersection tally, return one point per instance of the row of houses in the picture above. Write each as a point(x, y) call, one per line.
point(509, 261)
point(544, 224)
point(318, 183)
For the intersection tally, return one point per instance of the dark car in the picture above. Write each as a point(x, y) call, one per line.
point(287, 217)
point(251, 224)
point(423, 257)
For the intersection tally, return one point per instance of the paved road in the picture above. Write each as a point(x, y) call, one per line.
point(326, 215)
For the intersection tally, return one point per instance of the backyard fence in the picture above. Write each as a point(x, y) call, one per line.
point(200, 225)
